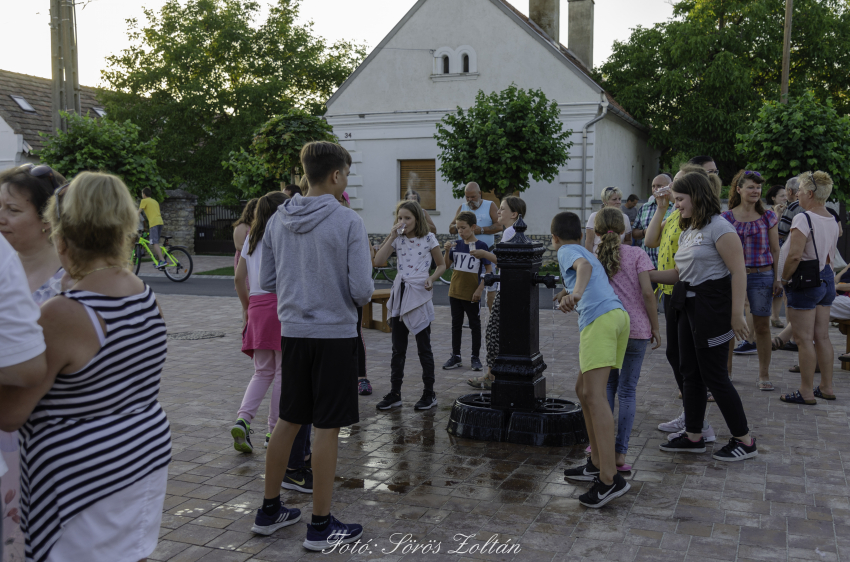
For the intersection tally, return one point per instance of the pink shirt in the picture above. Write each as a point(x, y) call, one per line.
point(626, 285)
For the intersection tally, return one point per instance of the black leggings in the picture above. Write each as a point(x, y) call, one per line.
point(672, 341)
point(361, 365)
point(472, 310)
point(703, 368)
point(423, 345)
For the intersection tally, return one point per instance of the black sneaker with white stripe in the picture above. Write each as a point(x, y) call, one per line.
point(428, 401)
point(585, 473)
point(600, 494)
point(735, 450)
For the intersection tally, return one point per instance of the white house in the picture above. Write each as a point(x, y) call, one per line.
point(437, 58)
point(25, 111)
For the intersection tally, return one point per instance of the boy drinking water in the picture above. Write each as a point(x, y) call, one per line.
point(316, 258)
point(466, 287)
point(151, 210)
point(604, 335)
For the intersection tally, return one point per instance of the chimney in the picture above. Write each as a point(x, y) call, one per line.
point(546, 14)
point(581, 30)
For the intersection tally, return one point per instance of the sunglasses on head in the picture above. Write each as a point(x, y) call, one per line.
point(45, 170)
point(750, 173)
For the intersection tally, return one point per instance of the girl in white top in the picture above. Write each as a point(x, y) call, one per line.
point(509, 212)
point(808, 309)
point(261, 327)
point(611, 197)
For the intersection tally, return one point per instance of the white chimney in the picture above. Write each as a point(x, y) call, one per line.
point(581, 30)
point(546, 14)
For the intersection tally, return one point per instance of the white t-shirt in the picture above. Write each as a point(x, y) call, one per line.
point(597, 240)
point(826, 237)
point(253, 263)
point(697, 258)
point(414, 254)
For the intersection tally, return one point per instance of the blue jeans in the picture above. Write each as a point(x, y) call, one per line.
point(760, 292)
point(622, 383)
point(809, 299)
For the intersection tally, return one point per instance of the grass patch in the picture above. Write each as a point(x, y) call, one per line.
point(227, 271)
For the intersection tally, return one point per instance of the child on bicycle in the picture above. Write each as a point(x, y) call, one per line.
point(466, 287)
point(411, 301)
point(151, 209)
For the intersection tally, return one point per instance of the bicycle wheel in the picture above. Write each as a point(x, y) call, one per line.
point(178, 264)
point(136, 258)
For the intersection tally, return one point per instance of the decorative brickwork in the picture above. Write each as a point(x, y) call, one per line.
point(178, 216)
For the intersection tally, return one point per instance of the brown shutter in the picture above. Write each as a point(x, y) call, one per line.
point(419, 176)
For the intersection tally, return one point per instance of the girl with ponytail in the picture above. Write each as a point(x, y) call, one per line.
point(628, 270)
point(261, 341)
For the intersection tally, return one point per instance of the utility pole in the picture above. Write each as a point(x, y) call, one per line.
point(63, 42)
point(786, 51)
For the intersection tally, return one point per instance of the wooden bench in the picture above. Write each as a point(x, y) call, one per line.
point(844, 328)
point(381, 296)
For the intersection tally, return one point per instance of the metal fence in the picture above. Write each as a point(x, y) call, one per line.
point(214, 228)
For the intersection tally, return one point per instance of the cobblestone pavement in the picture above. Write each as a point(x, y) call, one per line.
point(401, 474)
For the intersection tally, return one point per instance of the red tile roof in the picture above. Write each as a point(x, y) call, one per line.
point(38, 93)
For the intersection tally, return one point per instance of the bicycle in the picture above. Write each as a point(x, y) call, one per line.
point(178, 262)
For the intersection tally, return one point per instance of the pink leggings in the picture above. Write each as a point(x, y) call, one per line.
point(266, 371)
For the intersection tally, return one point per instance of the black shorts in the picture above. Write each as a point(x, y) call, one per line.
point(320, 381)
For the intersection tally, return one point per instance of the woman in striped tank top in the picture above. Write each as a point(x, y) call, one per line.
point(95, 443)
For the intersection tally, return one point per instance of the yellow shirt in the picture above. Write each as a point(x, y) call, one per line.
point(151, 209)
point(669, 247)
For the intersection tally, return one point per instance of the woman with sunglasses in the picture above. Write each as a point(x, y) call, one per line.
point(95, 443)
point(24, 194)
point(757, 229)
point(813, 237)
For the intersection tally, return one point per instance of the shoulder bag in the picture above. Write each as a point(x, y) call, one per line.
point(807, 274)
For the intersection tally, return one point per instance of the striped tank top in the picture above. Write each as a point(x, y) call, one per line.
point(101, 429)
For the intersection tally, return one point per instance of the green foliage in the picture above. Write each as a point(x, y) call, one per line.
point(700, 78)
point(802, 135)
point(204, 74)
point(103, 145)
point(274, 153)
point(500, 142)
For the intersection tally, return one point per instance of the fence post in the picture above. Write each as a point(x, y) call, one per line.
point(178, 216)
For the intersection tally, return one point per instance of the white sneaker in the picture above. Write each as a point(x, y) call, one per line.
point(707, 433)
point(677, 424)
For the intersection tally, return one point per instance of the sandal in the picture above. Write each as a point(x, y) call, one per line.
point(765, 385)
point(790, 346)
point(709, 397)
point(796, 369)
point(796, 398)
point(776, 343)
point(624, 468)
point(821, 394)
point(481, 382)
point(844, 358)
point(776, 323)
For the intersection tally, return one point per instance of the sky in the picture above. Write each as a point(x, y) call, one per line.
point(102, 31)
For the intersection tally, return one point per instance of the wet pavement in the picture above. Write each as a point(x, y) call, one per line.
point(405, 479)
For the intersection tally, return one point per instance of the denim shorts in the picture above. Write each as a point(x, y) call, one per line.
point(760, 292)
point(156, 232)
point(808, 299)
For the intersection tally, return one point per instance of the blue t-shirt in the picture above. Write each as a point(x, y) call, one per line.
point(598, 297)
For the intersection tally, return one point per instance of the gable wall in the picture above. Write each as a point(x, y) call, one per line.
point(623, 158)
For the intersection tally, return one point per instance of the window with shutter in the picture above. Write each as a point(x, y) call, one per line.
point(419, 176)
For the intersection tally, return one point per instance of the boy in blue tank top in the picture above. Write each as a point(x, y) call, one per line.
point(604, 334)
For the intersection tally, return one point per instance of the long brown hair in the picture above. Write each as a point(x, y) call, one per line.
point(609, 225)
point(266, 207)
point(705, 203)
point(247, 213)
point(417, 212)
point(738, 181)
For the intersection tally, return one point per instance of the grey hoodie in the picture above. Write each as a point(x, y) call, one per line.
point(316, 258)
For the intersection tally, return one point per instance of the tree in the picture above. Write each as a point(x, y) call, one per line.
point(203, 75)
point(803, 135)
point(500, 142)
point(700, 78)
point(274, 154)
point(103, 145)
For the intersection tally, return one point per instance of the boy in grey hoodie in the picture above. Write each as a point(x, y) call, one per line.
point(316, 258)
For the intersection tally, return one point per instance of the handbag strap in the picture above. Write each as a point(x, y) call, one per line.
point(812, 231)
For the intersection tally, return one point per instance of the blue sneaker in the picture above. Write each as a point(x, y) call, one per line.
point(746, 348)
point(241, 432)
point(268, 524)
point(337, 533)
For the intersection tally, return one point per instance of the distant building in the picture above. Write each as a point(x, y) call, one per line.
point(25, 111)
point(437, 58)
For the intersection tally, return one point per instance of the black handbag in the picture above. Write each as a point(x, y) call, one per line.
point(807, 274)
